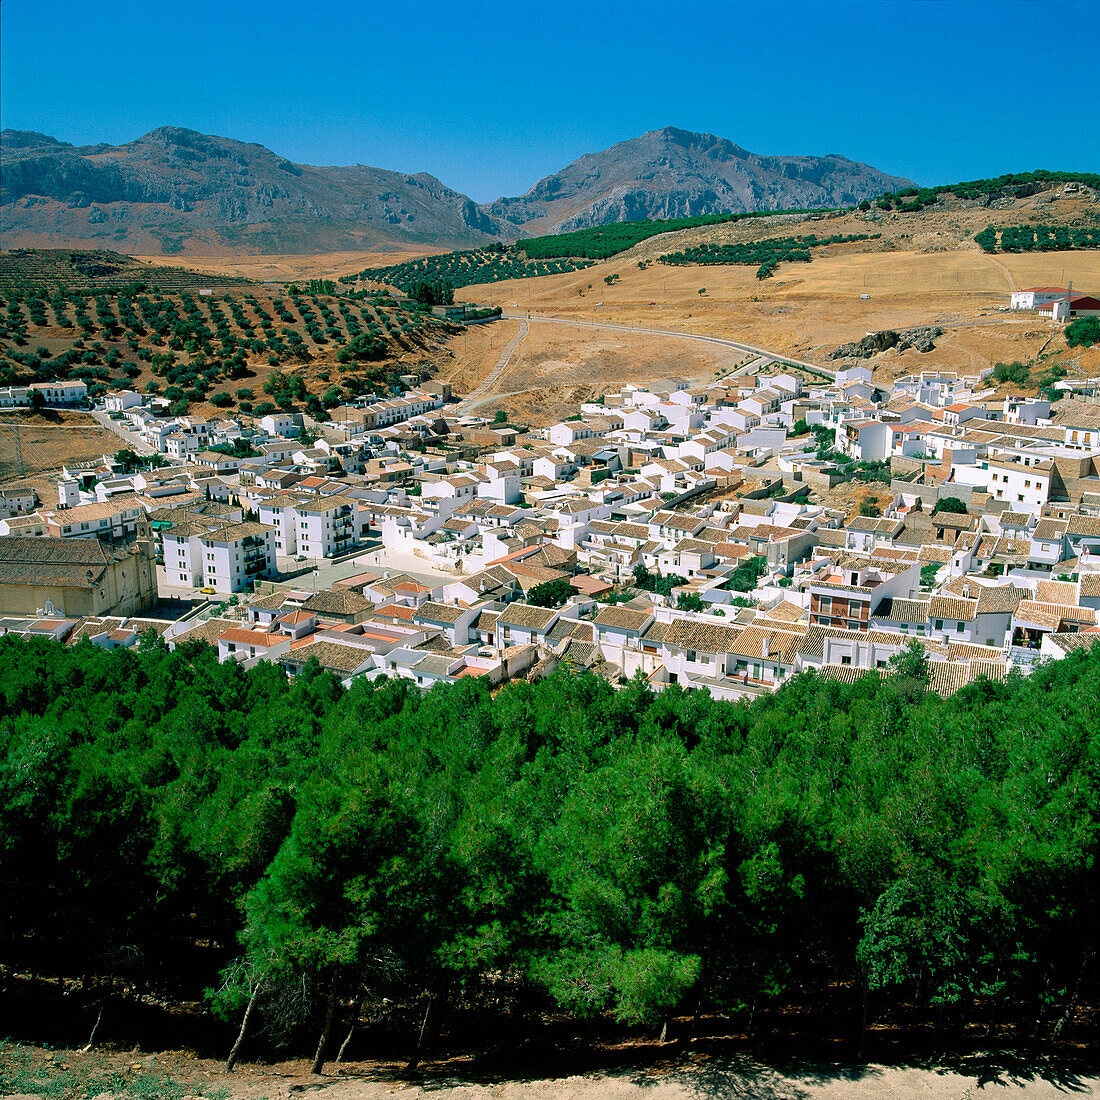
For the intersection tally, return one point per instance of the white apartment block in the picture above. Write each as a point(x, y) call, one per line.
point(236, 556)
point(327, 527)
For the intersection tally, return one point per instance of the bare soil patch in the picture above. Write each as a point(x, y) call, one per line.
point(664, 1072)
point(42, 443)
point(807, 310)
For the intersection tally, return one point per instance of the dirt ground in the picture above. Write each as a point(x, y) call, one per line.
point(806, 311)
point(34, 447)
point(678, 1076)
point(555, 367)
point(924, 270)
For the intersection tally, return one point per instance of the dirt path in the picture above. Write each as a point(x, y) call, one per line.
point(694, 1076)
point(485, 388)
point(1007, 273)
point(678, 335)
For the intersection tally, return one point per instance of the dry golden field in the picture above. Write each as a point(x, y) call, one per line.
point(805, 311)
point(923, 269)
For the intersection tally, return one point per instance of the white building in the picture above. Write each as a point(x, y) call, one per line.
point(124, 399)
point(58, 392)
point(1036, 296)
point(235, 556)
point(327, 527)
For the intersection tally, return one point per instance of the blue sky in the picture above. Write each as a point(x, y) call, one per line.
point(491, 96)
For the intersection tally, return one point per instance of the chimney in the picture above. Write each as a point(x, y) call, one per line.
point(765, 647)
point(966, 591)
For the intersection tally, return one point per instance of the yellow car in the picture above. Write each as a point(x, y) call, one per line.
point(207, 591)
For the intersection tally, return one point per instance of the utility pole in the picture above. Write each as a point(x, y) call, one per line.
point(18, 449)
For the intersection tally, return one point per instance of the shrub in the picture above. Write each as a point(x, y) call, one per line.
point(1083, 332)
point(550, 593)
point(1016, 373)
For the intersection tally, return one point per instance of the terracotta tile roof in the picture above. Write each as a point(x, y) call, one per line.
point(899, 610)
point(1064, 592)
point(953, 607)
point(781, 644)
point(787, 611)
point(941, 555)
point(336, 602)
point(622, 618)
point(565, 628)
point(526, 616)
point(1084, 526)
point(1050, 530)
point(964, 651)
point(1052, 615)
point(440, 612)
point(1069, 642)
point(52, 563)
point(259, 638)
point(708, 637)
point(341, 659)
point(207, 631)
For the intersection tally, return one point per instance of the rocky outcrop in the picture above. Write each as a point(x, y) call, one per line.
point(176, 183)
point(923, 339)
point(674, 173)
point(200, 192)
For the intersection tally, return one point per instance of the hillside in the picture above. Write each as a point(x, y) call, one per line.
point(207, 344)
point(97, 269)
point(176, 191)
point(923, 268)
point(674, 173)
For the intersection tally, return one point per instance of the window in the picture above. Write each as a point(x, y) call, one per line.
point(960, 628)
point(939, 624)
point(825, 605)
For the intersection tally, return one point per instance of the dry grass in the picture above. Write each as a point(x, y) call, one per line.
point(282, 268)
point(34, 447)
point(557, 366)
point(805, 311)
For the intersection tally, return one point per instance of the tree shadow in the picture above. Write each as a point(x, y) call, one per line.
point(743, 1077)
point(1007, 1067)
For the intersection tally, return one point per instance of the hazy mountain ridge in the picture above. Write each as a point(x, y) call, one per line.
point(176, 190)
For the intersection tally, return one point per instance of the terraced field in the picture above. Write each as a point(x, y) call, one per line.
point(89, 271)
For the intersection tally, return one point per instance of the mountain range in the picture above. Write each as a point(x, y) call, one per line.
point(175, 190)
